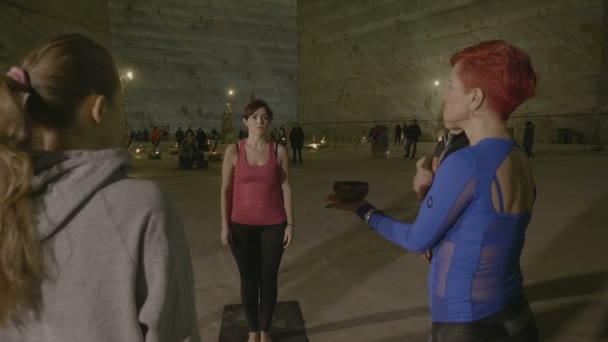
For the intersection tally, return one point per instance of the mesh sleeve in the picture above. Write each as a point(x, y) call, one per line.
point(452, 191)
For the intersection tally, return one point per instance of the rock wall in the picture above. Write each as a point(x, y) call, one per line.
point(365, 61)
point(26, 23)
point(603, 91)
point(186, 54)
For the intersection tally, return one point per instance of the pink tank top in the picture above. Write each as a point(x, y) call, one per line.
point(257, 197)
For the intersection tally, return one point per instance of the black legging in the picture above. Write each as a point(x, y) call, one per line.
point(258, 251)
point(298, 150)
point(515, 323)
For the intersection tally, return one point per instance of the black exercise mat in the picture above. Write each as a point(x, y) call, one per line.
point(287, 324)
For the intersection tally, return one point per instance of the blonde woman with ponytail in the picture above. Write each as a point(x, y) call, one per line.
point(20, 265)
point(86, 253)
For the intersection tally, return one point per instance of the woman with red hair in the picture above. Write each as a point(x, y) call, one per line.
point(474, 216)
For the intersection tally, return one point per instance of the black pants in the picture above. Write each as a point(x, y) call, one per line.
point(408, 145)
point(528, 149)
point(298, 150)
point(258, 251)
point(515, 323)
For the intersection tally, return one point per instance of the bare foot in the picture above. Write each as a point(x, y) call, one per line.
point(265, 337)
point(254, 337)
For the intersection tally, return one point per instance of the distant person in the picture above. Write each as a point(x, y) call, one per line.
point(215, 136)
point(398, 134)
point(296, 139)
point(379, 140)
point(190, 156)
point(131, 139)
point(274, 135)
point(257, 215)
point(403, 130)
point(412, 135)
point(155, 137)
point(190, 131)
point(283, 135)
point(186, 153)
point(201, 140)
point(528, 144)
point(88, 253)
point(179, 136)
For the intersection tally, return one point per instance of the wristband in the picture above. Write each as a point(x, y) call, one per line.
point(369, 214)
point(362, 210)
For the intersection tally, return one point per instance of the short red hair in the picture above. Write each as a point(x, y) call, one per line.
point(501, 70)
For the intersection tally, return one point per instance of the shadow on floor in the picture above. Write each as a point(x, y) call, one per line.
point(578, 286)
point(548, 322)
point(602, 332)
point(379, 317)
point(405, 338)
point(287, 325)
point(588, 235)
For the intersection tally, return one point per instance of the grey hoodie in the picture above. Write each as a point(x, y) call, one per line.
point(116, 259)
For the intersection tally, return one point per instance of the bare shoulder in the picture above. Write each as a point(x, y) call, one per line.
point(231, 153)
point(230, 150)
point(282, 151)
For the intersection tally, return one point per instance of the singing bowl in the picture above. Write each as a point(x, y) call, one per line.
point(350, 191)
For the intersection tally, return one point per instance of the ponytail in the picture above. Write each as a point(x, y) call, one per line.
point(21, 270)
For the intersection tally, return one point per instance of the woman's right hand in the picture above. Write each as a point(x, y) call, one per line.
point(423, 178)
point(226, 237)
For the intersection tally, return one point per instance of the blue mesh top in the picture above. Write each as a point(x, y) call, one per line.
point(476, 249)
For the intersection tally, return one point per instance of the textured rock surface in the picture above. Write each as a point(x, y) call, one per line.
point(25, 23)
point(603, 92)
point(186, 54)
point(364, 60)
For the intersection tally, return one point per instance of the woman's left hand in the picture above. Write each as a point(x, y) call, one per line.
point(335, 203)
point(288, 236)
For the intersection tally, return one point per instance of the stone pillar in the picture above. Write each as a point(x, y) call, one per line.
point(600, 112)
point(227, 126)
point(602, 97)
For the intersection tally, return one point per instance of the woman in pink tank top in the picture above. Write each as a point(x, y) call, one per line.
point(257, 215)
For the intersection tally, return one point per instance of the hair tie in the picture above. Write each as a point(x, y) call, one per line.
point(21, 77)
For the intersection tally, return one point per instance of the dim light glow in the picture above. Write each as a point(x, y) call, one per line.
point(436, 83)
point(230, 92)
point(130, 75)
